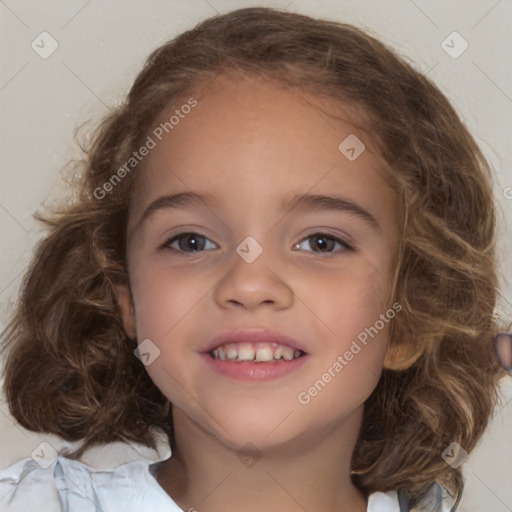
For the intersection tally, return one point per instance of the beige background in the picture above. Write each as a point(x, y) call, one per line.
point(101, 47)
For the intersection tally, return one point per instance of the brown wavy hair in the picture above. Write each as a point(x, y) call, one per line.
point(70, 368)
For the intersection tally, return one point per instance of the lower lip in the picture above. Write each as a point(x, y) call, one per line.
point(246, 370)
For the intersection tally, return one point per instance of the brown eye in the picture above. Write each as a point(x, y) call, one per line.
point(324, 244)
point(186, 242)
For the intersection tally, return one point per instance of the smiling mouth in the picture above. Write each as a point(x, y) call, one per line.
point(263, 352)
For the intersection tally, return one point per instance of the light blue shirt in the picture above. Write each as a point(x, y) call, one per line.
point(96, 484)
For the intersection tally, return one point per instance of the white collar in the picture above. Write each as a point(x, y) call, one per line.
point(107, 457)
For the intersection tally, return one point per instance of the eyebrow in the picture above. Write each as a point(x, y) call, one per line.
point(316, 202)
point(301, 202)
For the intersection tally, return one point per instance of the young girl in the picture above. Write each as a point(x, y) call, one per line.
point(280, 259)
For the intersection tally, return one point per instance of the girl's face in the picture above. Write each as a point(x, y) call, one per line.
point(319, 273)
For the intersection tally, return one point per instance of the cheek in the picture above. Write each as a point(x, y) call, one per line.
point(349, 367)
point(164, 297)
point(167, 379)
point(354, 314)
point(349, 299)
point(168, 304)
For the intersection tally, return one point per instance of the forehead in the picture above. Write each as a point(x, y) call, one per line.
point(255, 139)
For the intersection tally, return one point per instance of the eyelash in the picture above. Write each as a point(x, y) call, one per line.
point(343, 243)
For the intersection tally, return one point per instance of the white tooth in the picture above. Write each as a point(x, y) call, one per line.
point(215, 353)
point(246, 353)
point(278, 352)
point(231, 353)
point(222, 354)
point(287, 353)
point(296, 353)
point(264, 354)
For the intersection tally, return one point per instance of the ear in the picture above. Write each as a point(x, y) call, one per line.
point(400, 356)
point(124, 298)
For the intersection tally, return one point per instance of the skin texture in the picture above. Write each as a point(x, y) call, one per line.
point(251, 142)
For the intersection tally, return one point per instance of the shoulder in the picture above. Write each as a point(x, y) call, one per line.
point(383, 502)
point(23, 486)
point(437, 499)
point(69, 485)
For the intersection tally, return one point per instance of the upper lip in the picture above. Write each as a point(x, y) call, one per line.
point(254, 335)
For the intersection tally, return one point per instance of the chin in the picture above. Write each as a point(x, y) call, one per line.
point(263, 428)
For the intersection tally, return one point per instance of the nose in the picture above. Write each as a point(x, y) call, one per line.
point(249, 285)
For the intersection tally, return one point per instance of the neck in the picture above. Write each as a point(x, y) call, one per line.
point(310, 472)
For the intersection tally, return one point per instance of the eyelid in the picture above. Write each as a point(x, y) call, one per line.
point(333, 233)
